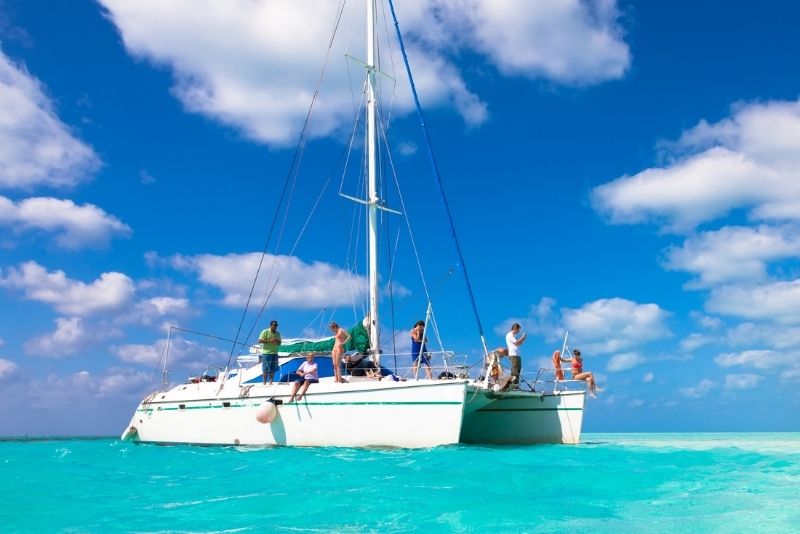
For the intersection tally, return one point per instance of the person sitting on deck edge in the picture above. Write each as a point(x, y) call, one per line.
point(307, 374)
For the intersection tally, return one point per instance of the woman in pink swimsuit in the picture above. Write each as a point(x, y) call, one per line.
point(578, 374)
point(340, 339)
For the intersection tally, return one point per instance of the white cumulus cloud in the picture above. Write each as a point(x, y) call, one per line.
point(254, 65)
point(70, 336)
point(777, 301)
point(733, 254)
point(300, 285)
point(750, 161)
point(154, 310)
point(7, 367)
point(695, 341)
point(183, 353)
point(73, 389)
point(74, 225)
point(110, 291)
point(700, 390)
point(570, 42)
point(759, 359)
point(742, 382)
point(624, 362)
point(36, 148)
point(775, 336)
point(609, 325)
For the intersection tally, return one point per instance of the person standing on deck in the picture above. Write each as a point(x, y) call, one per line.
point(270, 340)
point(419, 352)
point(340, 339)
point(513, 342)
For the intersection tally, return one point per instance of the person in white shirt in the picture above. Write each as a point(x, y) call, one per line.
point(513, 341)
point(307, 374)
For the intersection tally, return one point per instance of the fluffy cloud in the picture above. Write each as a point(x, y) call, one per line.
point(140, 353)
point(791, 375)
point(608, 325)
point(695, 341)
point(750, 160)
point(300, 285)
point(74, 226)
point(36, 148)
point(706, 321)
point(774, 302)
point(150, 311)
point(182, 353)
point(624, 362)
point(700, 390)
point(764, 334)
point(7, 367)
point(759, 359)
point(71, 297)
point(571, 42)
point(70, 336)
point(742, 382)
point(733, 253)
point(72, 389)
point(254, 65)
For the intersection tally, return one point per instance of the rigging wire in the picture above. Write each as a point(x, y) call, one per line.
point(295, 163)
point(391, 60)
point(391, 291)
point(438, 177)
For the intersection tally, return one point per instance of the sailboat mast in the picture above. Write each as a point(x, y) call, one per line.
point(372, 186)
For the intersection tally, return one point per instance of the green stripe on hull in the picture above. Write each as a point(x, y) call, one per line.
point(530, 409)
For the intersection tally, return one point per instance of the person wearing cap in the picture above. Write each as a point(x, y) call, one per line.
point(579, 374)
point(270, 340)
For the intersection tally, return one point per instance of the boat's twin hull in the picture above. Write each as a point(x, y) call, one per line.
point(518, 417)
point(347, 415)
point(360, 414)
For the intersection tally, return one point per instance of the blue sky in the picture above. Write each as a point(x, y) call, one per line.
point(627, 171)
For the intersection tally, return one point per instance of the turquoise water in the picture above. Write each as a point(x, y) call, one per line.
point(610, 483)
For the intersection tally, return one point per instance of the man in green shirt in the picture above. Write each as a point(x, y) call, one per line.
point(270, 340)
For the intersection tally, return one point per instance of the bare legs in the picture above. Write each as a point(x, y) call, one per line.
point(337, 360)
point(590, 381)
point(415, 365)
point(302, 391)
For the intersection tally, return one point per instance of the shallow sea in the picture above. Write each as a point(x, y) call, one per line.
point(609, 483)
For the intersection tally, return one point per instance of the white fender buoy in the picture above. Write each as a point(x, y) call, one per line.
point(267, 413)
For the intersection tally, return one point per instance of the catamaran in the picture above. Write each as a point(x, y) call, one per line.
point(376, 405)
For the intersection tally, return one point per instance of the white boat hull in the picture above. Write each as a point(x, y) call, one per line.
point(521, 417)
point(358, 414)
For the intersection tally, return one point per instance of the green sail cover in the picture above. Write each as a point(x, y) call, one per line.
point(359, 341)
